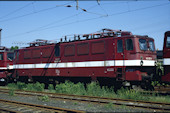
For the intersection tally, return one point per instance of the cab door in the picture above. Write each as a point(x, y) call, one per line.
point(166, 48)
point(120, 59)
point(2, 60)
point(166, 56)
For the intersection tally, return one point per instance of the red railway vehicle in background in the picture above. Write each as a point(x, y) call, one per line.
point(166, 57)
point(6, 64)
point(111, 57)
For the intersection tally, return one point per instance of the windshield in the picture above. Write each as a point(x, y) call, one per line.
point(143, 44)
point(168, 42)
point(151, 45)
point(10, 56)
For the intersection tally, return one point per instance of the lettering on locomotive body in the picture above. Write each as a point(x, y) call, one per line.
point(148, 58)
point(110, 69)
point(57, 71)
point(57, 60)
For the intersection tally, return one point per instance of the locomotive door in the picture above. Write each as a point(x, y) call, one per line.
point(120, 59)
point(1, 59)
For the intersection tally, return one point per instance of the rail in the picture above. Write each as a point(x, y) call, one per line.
point(153, 106)
point(20, 107)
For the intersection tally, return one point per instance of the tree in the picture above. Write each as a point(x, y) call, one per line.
point(14, 48)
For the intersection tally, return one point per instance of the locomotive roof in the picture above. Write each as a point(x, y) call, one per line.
point(4, 49)
point(104, 33)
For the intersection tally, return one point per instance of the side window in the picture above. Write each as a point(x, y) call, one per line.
point(69, 50)
point(57, 50)
point(27, 54)
point(16, 55)
point(119, 46)
point(83, 49)
point(98, 47)
point(129, 44)
point(36, 53)
point(1, 56)
point(168, 42)
point(10, 56)
point(46, 52)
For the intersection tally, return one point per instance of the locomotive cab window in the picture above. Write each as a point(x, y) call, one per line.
point(143, 44)
point(151, 45)
point(168, 42)
point(10, 56)
point(129, 44)
point(1, 56)
point(119, 46)
point(57, 50)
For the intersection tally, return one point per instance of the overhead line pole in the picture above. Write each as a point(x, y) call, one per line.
point(0, 36)
point(77, 5)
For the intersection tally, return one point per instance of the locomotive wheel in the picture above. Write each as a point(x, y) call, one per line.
point(137, 87)
point(4, 83)
point(147, 86)
point(117, 85)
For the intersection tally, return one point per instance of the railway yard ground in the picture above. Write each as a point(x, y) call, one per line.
point(85, 103)
point(87, 107)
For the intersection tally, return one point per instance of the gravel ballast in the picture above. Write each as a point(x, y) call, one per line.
point(88, 107)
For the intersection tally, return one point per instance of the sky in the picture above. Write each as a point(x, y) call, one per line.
point(25, 21)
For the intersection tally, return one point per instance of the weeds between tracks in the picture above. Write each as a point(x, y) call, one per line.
point(92, 89)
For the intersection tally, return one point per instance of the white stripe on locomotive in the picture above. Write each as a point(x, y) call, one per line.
point(166, 61)
point(87, 64)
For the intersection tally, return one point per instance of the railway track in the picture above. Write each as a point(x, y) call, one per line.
point(151, 93)
point(158, 90)
point(152, 106)
point(162, 88)
point(20, 107)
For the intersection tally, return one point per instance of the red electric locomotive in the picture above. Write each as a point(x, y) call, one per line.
point(110, 57)
point(6, 64)
point(166, 57)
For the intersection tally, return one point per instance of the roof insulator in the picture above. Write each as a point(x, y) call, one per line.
point(84, 10)
point(68, 6)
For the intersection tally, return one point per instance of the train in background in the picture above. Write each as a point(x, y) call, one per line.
point(112, 57)
point(6, 64)
point(166, 58)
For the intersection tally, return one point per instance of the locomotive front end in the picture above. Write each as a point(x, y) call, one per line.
point(143, 68)
point(6, 64)
point(166, 58)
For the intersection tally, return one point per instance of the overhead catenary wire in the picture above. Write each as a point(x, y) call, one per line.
point(13, 12)
point(119, 13)
point(130, 10)
point(66, 18)
point(35, 12)
point(52, 23)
